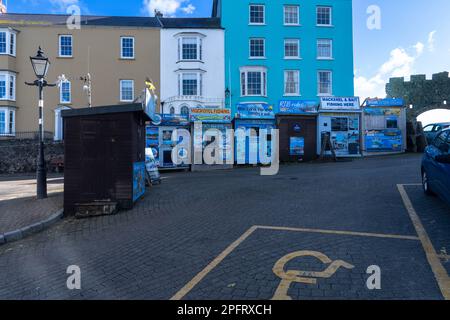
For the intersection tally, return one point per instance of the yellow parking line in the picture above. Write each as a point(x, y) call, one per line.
point(348, 233)
point(439, 271)
point(199, 277)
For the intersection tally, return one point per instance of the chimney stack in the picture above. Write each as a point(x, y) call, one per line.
point(2, 7)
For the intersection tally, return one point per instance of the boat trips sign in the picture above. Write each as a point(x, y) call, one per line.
point(339, 103)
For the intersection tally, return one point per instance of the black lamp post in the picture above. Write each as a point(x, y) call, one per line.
point(40, 65)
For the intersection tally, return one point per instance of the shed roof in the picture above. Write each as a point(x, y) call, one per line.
point(122, 108)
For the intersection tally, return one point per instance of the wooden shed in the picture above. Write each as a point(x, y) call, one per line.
point(104, 158)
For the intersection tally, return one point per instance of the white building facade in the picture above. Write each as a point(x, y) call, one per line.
point(192, 65)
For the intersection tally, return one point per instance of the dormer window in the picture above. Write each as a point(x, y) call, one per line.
point(7, 42)
point(190, 48)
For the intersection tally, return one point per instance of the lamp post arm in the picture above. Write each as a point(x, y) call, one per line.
point(35, 83)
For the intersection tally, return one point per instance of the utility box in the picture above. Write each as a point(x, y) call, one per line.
point(104, 159)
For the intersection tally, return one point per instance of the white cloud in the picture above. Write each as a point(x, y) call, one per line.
point(167, 7)
point(431, 41)
point(399, 64)
point(419, 48)
point(189, 9)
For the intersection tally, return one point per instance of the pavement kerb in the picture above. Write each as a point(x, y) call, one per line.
point(26, 231)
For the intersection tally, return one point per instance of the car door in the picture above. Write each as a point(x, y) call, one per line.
point(444, 168)
point(439, 173)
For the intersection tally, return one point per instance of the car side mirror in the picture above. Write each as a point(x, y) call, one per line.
point(445, 158)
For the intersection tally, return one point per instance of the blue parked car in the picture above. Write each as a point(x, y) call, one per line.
point(436, 167)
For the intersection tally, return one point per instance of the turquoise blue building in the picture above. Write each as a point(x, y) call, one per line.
point(286, 49)
point(281, 58)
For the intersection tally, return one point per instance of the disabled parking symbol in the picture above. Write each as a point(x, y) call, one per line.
point(307, 277)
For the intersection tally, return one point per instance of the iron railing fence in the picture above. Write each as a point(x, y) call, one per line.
point(26, 135)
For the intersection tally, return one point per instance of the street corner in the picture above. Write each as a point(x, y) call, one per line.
point(434, 215)
point(273, 263)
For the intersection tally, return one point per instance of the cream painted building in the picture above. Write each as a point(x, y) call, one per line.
point(118, 52)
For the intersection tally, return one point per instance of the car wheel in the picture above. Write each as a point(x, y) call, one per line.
point(426, 185)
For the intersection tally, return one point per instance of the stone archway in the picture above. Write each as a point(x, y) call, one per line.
point(417, 111)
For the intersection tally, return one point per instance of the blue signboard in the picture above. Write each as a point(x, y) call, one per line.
point(297, 146)
point(298, 106)
point(138, 180)
point(175, 120)
point(388, 140)
point(255, 111)
point(389, 102)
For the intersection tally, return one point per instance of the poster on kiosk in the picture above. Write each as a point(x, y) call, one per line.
point(340, 118)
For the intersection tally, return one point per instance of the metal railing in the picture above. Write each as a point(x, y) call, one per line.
point(26, 135)
point(198, 99)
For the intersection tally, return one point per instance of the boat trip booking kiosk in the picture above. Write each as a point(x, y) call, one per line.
point(384, 126)
point(340, 118)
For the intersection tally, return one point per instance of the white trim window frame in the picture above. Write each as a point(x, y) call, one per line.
point(324, 13)
point(289, 17)
point(324, 83)
point(127, 47)
point(7, 121)
point(65, 47)
point(7, 86)
point(254, 14)
point(8, 42)
point(190, 48)
point(257, 48)
point(65, 92)
point(324, 46)
point(253, 81)
point(190, 83)
point(128, 85)
point(292, 83)
point(289, 52)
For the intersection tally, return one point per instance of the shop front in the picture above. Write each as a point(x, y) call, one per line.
point(218, 120)
point(297, 124)
point(384, 128)
point(340, 119)
point(250, 119)
point(159, 139)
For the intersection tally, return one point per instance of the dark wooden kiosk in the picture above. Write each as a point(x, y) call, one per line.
point(104, 158)
point(297, 124)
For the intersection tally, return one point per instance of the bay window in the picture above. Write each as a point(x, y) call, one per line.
point(253, 81)
point(7, 86)
point(7, 121)
point(190, 84)
point(190, 48)
point(7, 42)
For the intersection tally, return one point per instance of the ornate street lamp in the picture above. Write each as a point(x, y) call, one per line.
point(40, 65)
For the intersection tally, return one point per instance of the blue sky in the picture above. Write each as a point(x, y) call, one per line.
point(413, 38)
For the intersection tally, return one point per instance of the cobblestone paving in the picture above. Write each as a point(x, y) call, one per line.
point(152, 251)
point(18, 205)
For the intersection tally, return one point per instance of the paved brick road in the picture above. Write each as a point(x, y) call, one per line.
point(18, 205)
point(181, 226)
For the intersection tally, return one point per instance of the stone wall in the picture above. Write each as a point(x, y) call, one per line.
point(424, 94)
point(20, 156)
